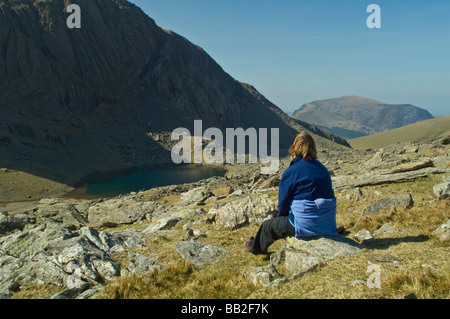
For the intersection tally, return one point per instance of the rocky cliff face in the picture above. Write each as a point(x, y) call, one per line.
point(354, 116)
point(107, 95)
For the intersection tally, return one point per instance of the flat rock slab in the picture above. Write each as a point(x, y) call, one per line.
point(304, 255)
point(401, 201)
point(200, 254)
point(119, 211)
point(250, 210)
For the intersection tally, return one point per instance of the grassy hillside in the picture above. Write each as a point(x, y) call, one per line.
point(418, 132)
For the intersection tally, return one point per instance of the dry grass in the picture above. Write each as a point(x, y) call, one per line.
point(422, 265)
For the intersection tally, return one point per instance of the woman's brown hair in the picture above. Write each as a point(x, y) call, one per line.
point(304, 147)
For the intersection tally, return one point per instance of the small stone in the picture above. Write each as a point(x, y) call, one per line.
point(385, 230)
point(443, 232)
point(430, 266)
point(261, 276)
point(224, 191)
point(442, 191)
point(364, 236)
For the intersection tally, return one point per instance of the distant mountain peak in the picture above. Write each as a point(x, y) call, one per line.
point(355, 116)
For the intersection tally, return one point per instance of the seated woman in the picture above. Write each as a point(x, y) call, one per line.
point(306, 201)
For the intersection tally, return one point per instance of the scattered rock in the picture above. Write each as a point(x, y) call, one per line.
point(250, 210)
point(279, 256)
point(222, 192)
point(429, 266)
point(305, 255)
point(141, 265)
point(402, 201)
point(445, 140)
point(60, 211)
point(118, 211)
point(237, 193)
point(49, 254)
point(162, 224)
point(442, 191)
point(385, 230)
point(199, 253)
point(345, 182)
point(261, 276)
point(376, 160)
point(407, 167)
point(195, 196)
point(172, 218)
point(90, 293)
point(355, 194)
point(364, 236)
point(273, 181)
point(443, 232)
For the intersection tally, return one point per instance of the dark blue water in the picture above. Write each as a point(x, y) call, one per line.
point(133, 180)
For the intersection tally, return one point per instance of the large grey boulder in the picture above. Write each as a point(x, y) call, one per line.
point(62, 211)
point(122, 210)
point(304, 255)
point(250, 210)
point(402, 201)
point(200, 254)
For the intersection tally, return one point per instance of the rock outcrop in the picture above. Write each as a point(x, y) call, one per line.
point(200, 254)
point(250, 210)
point(103, 97)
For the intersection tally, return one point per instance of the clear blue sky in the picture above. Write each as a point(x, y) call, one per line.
point(296, 51)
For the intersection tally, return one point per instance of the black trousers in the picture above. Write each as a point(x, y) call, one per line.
point(271, 231)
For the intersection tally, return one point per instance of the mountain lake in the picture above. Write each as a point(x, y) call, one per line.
point(119, 182)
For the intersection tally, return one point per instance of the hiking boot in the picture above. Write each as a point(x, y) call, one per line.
point(249, 244)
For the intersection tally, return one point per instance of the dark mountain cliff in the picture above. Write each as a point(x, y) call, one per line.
point(353, 116)
point(107, 96)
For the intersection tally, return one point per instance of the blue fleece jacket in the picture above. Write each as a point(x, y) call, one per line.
point(306, 195)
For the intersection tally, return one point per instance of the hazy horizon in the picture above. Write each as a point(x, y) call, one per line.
point(296, 52)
